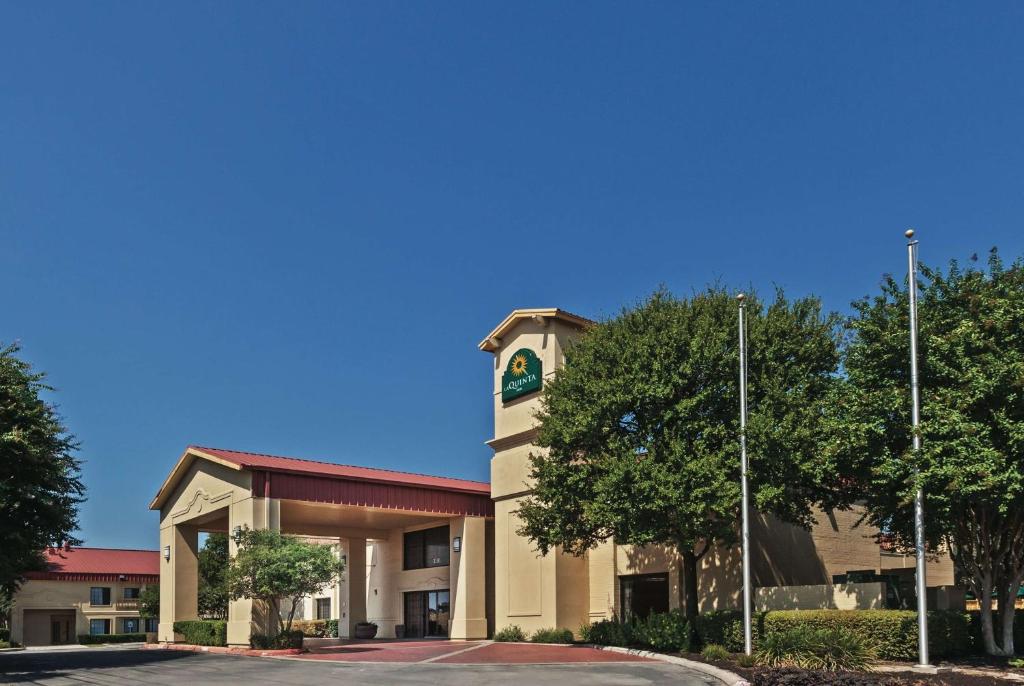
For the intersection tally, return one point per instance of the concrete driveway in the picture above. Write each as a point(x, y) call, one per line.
point(117, 667)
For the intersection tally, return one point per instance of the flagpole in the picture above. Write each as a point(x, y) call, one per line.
point(915, 414)
point(747, 634)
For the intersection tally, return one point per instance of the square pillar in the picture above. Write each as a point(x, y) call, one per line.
point(468, 579)
point(179, 578)
point(355, 586)
point(247, 616)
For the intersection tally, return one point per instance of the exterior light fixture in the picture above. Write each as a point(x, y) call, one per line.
point(344, 559)
point(167, 552)
point(457, 544)
point(236, 532)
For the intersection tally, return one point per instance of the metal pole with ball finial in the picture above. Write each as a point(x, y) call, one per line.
point(745, 507)
point(915, 416)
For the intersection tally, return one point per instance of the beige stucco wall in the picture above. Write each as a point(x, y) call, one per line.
point(866, 596)
point(73, 596)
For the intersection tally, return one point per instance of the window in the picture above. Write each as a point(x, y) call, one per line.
point(425, 548)
point(131, 594)
point(152, 624)
point(130, 625)
point(99, 595)
point(642, 594)
point(99, 626)
point(323, 608)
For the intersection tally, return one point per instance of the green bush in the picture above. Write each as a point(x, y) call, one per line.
point(607, 632)
point(96, 639)
point(4, 644)
point(744, 660)
point(830, 649)
point(332, 628)
point(281, 641)
point(510, 634)
point(975, 629)
point(5, 635)
point(723, 627)
point(713, 651)
point(203, 632)
point(665, 632)
point(892, 633)
point(552, 636)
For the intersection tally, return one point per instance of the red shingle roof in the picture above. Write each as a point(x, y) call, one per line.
point(294, 465)
point(100, 564)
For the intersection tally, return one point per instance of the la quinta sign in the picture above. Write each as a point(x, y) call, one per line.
point(522, 375)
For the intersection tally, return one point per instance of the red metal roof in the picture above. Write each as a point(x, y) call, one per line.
point(99, 563)
point(274, 463)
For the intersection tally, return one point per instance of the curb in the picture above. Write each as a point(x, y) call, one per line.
point(223, 650)
point(722, 675)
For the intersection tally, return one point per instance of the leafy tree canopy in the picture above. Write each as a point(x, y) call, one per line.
point(213, 577)
point(272, 567)
point(40, 485)
point(641, 426)
point(971, 465)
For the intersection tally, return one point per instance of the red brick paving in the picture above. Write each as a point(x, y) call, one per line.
point(387, 651)
point(526, 653)
point(455, 652)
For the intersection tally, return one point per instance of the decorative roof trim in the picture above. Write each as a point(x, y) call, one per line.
point(493, 340)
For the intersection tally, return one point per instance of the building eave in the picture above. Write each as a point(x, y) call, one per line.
point(493, 340)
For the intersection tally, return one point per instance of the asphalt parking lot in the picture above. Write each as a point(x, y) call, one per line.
point(117, 667)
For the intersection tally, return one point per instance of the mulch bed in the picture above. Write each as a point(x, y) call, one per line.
point(893, 679)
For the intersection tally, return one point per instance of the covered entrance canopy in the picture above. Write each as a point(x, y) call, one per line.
point(212, 489)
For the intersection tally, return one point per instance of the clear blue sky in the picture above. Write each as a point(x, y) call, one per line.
point(283, 227)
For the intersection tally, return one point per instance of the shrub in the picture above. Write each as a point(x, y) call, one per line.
point(332, 628)
point(744, 660)
point(4, 644)
point(313, 628)
point(203, 632)
point(510, 634)
point(713, 651)
point(607, 632)
point(975, 630)
point(800, 677)
point(1018, 663)
point(892, 633)
point(285, 639)
point(808, 647)
point(551, 636)
point(96, 639)
point(664, 632)
point(5, 635)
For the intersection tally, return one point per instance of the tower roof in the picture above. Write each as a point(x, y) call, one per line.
point(493, 340)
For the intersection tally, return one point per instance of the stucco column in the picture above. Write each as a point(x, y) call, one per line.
point(355, 587)
point(468, 580)
point(179, 578)
point(245, 616)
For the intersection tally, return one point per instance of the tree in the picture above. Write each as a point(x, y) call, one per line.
point(40, 485)
point(971, 464)
point(272, 567)
point(641, 427)
point(149, 601)
point(213, 577)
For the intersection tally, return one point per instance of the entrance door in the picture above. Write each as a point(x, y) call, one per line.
point(61, 629)
point(642, 594)
point(426, 613)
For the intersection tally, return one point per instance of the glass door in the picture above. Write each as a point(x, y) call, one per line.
point(438, 613)
point(427, 613)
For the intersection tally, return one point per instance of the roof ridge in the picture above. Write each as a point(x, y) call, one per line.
point(340, 464)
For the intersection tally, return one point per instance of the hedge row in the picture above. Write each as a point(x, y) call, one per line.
point(285, 639)
point(203, 632)
point(95, 639)
point(5, 635)
point(317, 628)
point(893, 633)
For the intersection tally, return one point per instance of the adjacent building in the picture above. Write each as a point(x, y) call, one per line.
point(435, 556)
point(83, 591)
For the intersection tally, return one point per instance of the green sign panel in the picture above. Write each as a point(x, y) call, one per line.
point(522, 376)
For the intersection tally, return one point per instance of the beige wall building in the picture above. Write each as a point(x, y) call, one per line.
point(441, 557)
point(83, 591)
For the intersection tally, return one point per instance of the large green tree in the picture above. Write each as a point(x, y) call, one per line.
point(213, 577)
point(272, 567)
point(971, 464)
point(641, 426)
point(40, 485)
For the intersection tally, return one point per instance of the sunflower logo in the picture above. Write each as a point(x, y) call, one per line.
point(518, 367)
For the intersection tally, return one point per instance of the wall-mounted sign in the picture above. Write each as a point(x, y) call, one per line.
point(523, 375)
